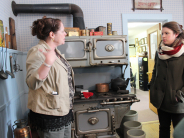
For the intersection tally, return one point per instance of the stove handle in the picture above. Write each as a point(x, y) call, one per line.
point(120, 102)
point(92, 111)
point(90, 55)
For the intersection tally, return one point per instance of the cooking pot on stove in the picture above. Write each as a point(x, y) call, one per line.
point(102, 87)
point(119, 84)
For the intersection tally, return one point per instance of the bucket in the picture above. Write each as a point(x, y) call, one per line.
point(136, 133)
point(131, 125)
point(131, 115)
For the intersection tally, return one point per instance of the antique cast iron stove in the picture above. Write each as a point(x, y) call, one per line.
point(100, 115)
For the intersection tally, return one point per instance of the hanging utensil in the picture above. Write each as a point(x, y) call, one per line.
point(8, 72)
point(2, 73)
point(16, 67)
point(11, 66)
point(7, 37)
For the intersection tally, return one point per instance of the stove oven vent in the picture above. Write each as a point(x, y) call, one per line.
point(64, 8)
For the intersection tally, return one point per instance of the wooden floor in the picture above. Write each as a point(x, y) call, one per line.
point(152, 129)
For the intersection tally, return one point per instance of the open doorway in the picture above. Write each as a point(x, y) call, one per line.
point(126, 18)
point(138, 46)
point(146, 114)
point(138, 49)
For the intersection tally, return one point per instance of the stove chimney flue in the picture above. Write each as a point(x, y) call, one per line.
point(63, 8)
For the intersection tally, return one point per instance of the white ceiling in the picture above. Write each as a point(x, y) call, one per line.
point(135, 28)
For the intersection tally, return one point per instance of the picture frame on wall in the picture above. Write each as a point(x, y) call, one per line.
point(138, 49)
point(142, 41)
point(143, 48)
point(147, 5)
point(145, 40)
point(136, 42)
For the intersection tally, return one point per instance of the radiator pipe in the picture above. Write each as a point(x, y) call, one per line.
point(62, 8)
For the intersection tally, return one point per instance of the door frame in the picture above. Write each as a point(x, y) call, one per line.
point(140, 18)
point(156, 28)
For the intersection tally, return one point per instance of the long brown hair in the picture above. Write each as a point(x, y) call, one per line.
point(42, 27)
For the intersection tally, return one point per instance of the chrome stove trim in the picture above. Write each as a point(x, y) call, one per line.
point(109, 48)
point(79, 132)
point(120, 102)
point(93, 120)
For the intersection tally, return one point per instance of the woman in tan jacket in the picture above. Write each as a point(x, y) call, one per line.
point(50, 79)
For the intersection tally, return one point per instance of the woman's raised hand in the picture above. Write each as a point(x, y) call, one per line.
point(50, 56)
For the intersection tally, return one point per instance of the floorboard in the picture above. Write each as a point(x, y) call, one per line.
point(152, 129)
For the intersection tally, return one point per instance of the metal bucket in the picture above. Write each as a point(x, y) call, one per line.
point(131, 125)
point(131, 115)
point(136, 133)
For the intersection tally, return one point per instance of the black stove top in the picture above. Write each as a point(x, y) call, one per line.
point(104, 95)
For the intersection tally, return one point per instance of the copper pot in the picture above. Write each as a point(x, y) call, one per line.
point(22, 131)
point(102, 87)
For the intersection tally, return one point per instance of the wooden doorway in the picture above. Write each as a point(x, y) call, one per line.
point(154, 38)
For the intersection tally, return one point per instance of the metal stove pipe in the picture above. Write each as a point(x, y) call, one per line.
point(67, 8)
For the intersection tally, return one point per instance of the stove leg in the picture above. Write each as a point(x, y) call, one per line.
point(73, 131)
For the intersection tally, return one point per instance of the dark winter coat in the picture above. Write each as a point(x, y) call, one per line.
point(167, 84)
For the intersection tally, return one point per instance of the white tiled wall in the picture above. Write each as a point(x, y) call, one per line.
point(96, 13)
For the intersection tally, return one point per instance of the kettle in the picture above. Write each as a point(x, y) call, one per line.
point(22, 131)
point(119, 84)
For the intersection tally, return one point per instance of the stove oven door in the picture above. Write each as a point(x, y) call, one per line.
point(93, 121)
point(74, 50)
point(109, 50)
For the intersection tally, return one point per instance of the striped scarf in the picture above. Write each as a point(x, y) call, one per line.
point(166, 52)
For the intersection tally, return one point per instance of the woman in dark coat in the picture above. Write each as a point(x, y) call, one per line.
point(167, 84)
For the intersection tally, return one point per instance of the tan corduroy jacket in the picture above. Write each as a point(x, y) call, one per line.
point(40, 97)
